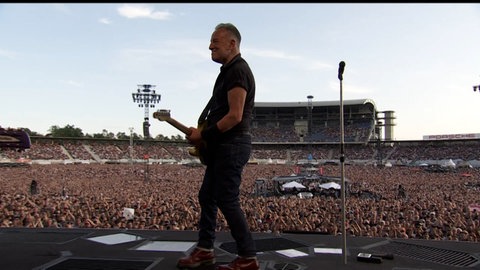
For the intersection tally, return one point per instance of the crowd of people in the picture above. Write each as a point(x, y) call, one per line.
point(113, 150)
point(410, 202)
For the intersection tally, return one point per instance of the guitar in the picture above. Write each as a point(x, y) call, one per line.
point(197, 151)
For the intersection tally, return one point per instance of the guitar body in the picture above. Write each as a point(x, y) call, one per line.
point(200, 151)
point(197, 151)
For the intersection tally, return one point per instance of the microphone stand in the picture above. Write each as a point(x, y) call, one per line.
point(341, 67)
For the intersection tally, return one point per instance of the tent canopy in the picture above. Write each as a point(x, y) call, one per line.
point(293, 184)
point(330, 185)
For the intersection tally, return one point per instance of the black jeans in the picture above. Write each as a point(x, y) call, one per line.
point(221, 189)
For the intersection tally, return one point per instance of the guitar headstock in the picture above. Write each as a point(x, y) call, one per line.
point(162, 115)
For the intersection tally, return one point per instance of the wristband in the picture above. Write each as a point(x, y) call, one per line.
point(211, 133)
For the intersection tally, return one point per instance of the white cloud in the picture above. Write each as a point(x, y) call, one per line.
point(143, 11)
point(105, 21)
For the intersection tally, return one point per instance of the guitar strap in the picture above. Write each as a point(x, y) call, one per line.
point(206, 110)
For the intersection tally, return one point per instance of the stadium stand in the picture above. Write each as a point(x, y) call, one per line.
point(395, 203)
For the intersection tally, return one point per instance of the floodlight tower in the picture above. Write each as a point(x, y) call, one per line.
point(147, 98)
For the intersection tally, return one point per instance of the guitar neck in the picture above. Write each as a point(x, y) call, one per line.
point(179, 126)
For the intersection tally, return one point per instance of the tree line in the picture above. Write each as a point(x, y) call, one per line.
point(70, 131)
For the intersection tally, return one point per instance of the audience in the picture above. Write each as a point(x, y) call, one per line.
point(429, 205)
point(51, 149)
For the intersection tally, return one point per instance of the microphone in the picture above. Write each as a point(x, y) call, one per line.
point(341, 67)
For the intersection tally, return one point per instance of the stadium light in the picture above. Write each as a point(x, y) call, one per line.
point(147, 98)
point(310, 108)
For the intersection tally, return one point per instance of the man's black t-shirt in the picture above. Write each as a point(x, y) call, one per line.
point(237, 73)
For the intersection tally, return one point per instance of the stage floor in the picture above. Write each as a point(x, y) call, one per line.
point(108, 249)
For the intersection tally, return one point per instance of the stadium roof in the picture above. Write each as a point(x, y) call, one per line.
point(315, 103)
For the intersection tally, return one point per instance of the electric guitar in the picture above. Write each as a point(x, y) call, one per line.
point(197, 151)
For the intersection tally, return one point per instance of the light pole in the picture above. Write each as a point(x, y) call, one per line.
point(310, 108)
point(131, 145)
point(341, 68)
point(310, 124)
point(147, 98)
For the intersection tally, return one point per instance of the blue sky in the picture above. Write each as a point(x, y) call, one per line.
point(78, 64)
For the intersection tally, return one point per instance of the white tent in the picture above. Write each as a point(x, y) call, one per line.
point(330, 185)
point(293, 184)
point(464, 164)
point(449, 164)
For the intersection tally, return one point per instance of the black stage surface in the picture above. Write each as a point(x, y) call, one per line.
point(108, 249)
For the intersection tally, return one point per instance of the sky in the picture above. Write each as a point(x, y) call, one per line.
point(78, 64)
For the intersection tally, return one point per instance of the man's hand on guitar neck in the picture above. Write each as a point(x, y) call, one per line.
point(195, 137)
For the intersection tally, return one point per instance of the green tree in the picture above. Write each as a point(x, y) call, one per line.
point(178, 137)
point(67, 131)
point(124, 136)
point(31, 133)
point(104, 135)
point(160, 137)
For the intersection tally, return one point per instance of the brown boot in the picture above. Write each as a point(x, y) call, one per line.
point(241, 263)
point(199, 256)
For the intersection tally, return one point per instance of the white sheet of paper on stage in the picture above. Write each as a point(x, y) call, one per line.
point(292, 253)
point(328, 250)
point(128, 213)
